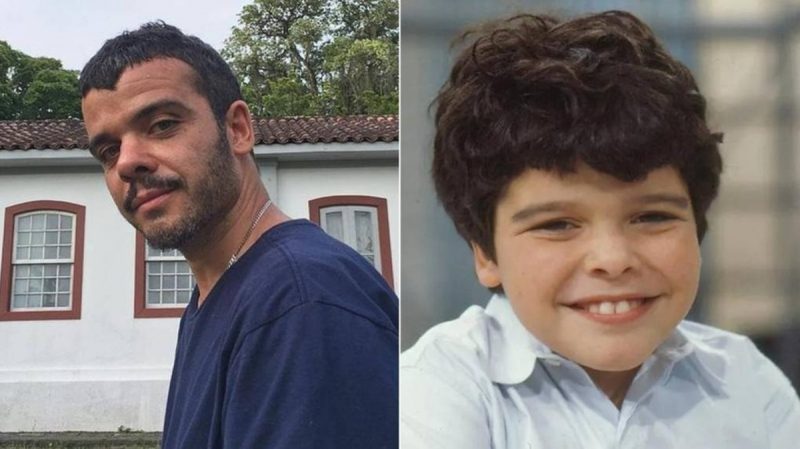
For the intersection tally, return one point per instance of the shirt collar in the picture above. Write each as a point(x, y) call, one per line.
point(514, 351)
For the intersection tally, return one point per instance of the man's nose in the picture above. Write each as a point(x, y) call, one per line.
point(135, 159)
point(611, 253)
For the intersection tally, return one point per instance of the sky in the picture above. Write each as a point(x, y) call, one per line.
point(73, 30)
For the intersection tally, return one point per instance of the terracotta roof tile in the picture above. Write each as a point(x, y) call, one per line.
point(70, 133)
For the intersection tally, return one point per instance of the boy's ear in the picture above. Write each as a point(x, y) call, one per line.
point(485, 267)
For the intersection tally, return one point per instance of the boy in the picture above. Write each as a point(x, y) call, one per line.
point(575, 159)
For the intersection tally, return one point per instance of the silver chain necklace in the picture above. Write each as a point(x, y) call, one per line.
point(235, 255)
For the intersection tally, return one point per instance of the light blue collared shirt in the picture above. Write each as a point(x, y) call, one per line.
point(483, 381)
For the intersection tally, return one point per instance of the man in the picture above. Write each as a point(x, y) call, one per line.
point(574, 156)
point(290, 338)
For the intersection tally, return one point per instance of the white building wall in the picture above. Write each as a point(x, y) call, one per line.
point(299, 183)
point(108, 369)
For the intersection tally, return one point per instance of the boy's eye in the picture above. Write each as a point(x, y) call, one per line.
point(555, 226)
point(654, 217)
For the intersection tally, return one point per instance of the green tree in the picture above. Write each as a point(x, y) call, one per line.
point(317, 57)
point(36, 88)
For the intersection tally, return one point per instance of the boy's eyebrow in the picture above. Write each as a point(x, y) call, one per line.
point(679, 201)
point(534, 209)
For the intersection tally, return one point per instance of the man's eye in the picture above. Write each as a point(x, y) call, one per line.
point(164, 125)
point(108, 154)
point(654, 217)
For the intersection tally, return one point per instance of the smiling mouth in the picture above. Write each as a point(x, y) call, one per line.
point(616, 307)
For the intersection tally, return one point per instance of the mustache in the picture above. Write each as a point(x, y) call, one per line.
point(149, 182)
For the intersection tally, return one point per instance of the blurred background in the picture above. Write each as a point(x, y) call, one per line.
point(745, 55)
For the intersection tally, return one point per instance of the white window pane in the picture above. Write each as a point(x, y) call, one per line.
point(37, 271)
point(154, 282)
point(35, 300)
point(63, 300)
point(168, 297)
point(37, 253)
point(23, 254)
point(37, 238)
point(48, 300)
point(20, 286)
point(184, 282)
point(168, 283)
point(66, 237)
point(51, 252)
point(49, 285)
point(66, 222)
point(364, 233)
point(38, 222)
point(51, 270)
point(23, 238)
point(22, 271)
point(183, 267)
point(52, 221)
point(64, 252)
point(153, 267)
point(35, 286)
point(63, 285)
point(24, 223)
point(51, 237)
point(65, 270)
point(334, 225)
point(168, 267)
point(19, 302)
point(184, 296)
point(153, 297)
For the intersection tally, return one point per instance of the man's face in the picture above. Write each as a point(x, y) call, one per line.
point(598, 269)
point(167, 163)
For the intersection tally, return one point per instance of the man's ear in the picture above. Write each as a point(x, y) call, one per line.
point(485, 268)
point(239, 126)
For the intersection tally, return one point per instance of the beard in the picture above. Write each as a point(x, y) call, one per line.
point(212, 197)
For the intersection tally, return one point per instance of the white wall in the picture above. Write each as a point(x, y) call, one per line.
point(108, 369)
point(298, 183)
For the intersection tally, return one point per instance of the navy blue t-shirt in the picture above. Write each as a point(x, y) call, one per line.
point(295, 347)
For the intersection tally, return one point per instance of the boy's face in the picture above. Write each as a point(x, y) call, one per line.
point(598, 269)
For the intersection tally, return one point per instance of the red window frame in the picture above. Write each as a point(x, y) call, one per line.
point(5, 266)
point(140, 309)
point(315, 205)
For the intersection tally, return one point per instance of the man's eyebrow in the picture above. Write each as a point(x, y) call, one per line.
point(157, 106)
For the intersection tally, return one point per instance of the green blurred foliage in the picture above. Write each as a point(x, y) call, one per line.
point(36, 88)
point(317, 57)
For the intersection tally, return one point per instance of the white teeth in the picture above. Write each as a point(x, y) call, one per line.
point(613, 307)
point(622, 307)
point(606, 308)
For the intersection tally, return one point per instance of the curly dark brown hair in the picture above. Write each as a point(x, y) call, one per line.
point(537, 92)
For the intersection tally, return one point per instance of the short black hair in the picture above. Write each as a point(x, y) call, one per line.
point(214, 78)
point(544, 93)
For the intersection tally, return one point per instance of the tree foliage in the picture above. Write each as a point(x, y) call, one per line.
point(36, 88)
point(317, 57)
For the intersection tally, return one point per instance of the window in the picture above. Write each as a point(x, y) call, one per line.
point(164, 282)
point(42, 261)
point(361, 222)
